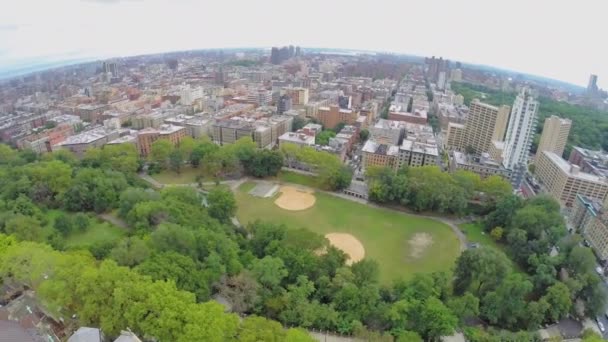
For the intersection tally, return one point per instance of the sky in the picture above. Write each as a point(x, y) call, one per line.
point(560, 39)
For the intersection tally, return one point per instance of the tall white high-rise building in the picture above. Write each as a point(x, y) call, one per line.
point(520, 133)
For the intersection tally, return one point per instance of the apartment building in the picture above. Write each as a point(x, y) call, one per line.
point(296, 138)
point(565, 181)
point(387, 132)
point(484, 124)
point(331, 116)
point(379, 155)
point(590, 218)
point(482, 165)
point(146, 137)
point(455, 139)
point(554, 135)
point(299, 95)
point(415, 153)
point(96, 137)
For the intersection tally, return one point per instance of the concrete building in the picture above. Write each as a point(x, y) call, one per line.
point(590, 219)
point(484, 124)
point(299, 95)
point(260, 96)
point(594, 162)
point(455, 139)
point(284, 104)
point(80, 143)
point(564, 181)
point(146, 137)
point(398, 113)
point(387, 132)
point(331, 116)
point(229, 131)
point(555, 135)
point(296, 138)
point(520, 133)
point(379, 155)
point(496, 150)
point(456, 75)
point(482, 165)
point(414, 153)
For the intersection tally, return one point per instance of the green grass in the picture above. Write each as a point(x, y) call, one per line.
point(384, 233)
point(475, 233)
point(186, 176)
point(98, 232)
point(298, 178)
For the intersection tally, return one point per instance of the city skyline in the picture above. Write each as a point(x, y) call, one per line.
point(466, 31)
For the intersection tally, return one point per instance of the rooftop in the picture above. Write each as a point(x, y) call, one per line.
point(572, 170)
point(377, 148)
point(298, 138)
point(86, 137)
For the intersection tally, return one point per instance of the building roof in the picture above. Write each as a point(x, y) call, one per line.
point(127, 336)
point(299, 138)
point(86, 334)
point(572, 170)
point(86, 137)
point(377, 148)
point(13, 332)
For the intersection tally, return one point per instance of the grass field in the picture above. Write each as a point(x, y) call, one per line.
point(98, 232)
point(298, 178)
point(187, 175)
point(384, 233)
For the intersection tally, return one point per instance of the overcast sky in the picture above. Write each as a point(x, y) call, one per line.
point(561, 39)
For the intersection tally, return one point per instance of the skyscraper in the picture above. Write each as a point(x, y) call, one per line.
point(484, 124)
point(554, 136)
point(520, 133)
point(592, 85)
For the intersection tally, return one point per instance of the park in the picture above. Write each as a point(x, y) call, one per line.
point(402, 244)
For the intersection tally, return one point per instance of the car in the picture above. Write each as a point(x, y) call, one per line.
point(600, 325)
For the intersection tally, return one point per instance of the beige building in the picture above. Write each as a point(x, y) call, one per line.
point(416, 153)
point(146, 137)
point(455, 137)
point(380, 155)
point(564, 181)
point(484, 124)
point(590, 218)
point(554, 136)
point(482, 165)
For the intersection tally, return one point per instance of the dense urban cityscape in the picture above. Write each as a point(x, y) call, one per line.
point(300, 194)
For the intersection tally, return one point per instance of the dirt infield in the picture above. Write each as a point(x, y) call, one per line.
point(349, 245)
point(293, 198)
point(419, 243)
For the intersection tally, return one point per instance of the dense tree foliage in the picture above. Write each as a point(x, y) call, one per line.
point(428, 189)
point(332, 173)
point(180, 251)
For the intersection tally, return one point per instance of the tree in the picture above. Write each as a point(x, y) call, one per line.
point(63, 224)
point(323, 137)
point(222, 204)
point(480, 270)
point(497, 233)
point(254, 329)
point(434, 319)
point(297, 124)
point(160, 151)
point(506, 306)
point(132, 196)
point(202, 148)
point(466, 306)
point(24, 228)
point(408, 336)
point(176, 160)
point(560, 303)
point(130, 252)
point(241, 291)
point(265, 163)
point(363, 135)
point(269, 271)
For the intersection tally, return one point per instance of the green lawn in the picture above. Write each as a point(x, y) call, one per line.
point(384, 233)
point(98, 232)
point(475, 233)
point(298, 178)
point(186, 176)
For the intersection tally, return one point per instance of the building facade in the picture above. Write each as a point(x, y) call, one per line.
point(564, 181)
point(555, 135)
point(484, 124)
